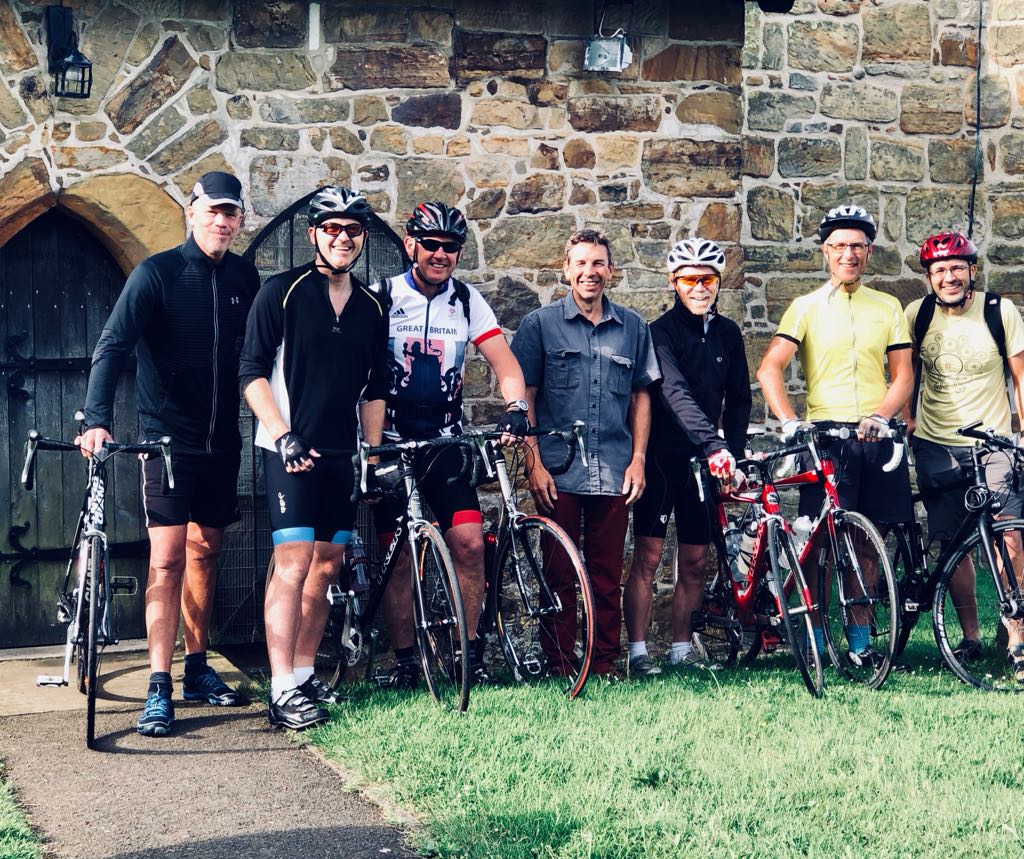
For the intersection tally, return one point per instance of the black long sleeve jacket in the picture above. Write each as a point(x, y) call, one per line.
point(705, 382)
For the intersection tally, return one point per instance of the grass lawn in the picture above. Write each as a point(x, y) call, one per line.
point(742, 764)
point(17, 840)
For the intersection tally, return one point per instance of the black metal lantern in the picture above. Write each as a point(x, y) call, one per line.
point(71, 69)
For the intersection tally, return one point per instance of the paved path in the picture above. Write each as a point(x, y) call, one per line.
point(223, 785)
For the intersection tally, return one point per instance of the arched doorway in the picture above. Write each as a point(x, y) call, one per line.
point(57, 287)
point(281, 245)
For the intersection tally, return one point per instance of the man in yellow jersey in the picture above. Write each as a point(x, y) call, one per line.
point(845, 333)
point(963, 338)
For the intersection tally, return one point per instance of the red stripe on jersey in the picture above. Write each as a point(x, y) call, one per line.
point(487, 335)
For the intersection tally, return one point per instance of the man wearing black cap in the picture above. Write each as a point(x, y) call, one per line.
point(183, 311)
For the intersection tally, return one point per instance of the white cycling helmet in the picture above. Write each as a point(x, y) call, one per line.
point(696, 251)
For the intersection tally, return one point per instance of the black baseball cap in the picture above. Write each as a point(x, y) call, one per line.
point(219, 187)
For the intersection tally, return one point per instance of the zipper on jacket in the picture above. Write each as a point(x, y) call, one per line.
point(216, 349)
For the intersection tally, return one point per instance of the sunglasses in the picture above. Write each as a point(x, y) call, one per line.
point(435, 245)
point(353, 231)
point(692, 280)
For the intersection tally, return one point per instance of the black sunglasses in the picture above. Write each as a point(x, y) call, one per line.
point(353, 231)
point(435, 245)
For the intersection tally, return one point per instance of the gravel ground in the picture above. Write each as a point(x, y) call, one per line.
point(222, 786)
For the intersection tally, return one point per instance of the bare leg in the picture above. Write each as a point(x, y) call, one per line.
point(689, 593)
point(466, 543)
point(283, 604)
point(397, 603)
point(163, 592)
point(327, 560)
point(202, 548)
point(638, 594)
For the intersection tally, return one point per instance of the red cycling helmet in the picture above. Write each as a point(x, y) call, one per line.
point(952, 245)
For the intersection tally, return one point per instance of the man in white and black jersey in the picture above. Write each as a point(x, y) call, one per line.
point(433, 318)
point(315, 349)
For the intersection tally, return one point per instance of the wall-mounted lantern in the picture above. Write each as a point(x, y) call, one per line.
point(71, 69)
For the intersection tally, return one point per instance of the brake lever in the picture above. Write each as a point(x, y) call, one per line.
point(481, 445)
point(165, 443)
point(577, 430)
point(28, 472)
point(364, 461)
point(696, 469)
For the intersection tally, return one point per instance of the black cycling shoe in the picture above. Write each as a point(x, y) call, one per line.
point(968, 650)
point(320, 693)
point(297, 712)
point(405, 676)
point(866, 658)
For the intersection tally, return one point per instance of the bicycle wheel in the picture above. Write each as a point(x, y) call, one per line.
point(96, 574)
point(987, 666)
point(859, 602)
point(440, 621)
point(545, 606)
point(793, 603)
point(718, 630)
point(908, 587)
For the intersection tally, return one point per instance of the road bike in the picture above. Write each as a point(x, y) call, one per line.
point(994, 547)
point(748, 607)
point(85, 599)
point(539, 604)
point(845, 560)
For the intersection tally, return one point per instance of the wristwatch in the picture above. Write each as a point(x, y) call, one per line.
point(520, 405)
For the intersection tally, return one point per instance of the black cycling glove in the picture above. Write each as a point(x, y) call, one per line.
point(292, 448)
point(514, 422)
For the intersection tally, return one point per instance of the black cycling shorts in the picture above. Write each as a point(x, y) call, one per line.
point(452, 500)
point(863, 486)
point(671, 486)
point(205, 489)
point(314, 505)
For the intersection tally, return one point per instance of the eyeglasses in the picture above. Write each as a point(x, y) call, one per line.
point(856, 248)
point(435, 245)
point(958, 271)
point(353, 231)
point(691, 280)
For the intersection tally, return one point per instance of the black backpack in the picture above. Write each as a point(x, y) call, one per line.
point(994, 322)
point(460, 292)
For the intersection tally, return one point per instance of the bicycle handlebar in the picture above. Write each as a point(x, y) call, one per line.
point(990, 437)
point(38, 442)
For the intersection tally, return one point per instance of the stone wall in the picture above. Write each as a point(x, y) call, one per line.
point(875, 102)
point(480, 103)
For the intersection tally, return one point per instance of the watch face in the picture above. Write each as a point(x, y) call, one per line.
point(522, 405)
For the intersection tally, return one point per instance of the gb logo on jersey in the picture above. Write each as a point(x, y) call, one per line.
point(451, 310)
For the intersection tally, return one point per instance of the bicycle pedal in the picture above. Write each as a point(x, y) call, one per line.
point(50, 680)
point(910, 606)
point(124, 585)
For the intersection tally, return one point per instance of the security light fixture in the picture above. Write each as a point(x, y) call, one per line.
point(608, 53)
point(71, 69)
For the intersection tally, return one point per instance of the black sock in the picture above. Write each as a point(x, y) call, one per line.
point(195, 663)
point(160, 682)
point(405, 655)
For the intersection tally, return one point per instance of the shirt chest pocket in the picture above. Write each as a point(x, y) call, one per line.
point(564, 372)
point(620, 374)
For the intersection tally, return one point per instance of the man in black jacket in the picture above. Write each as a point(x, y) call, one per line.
point(705, 381)
point(183, 311)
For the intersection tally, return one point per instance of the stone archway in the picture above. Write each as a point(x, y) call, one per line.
point(132, 216)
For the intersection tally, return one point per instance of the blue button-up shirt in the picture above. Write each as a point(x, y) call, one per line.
point(587, 372)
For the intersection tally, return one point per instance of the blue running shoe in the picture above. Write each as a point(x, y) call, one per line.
point(157, 716)
point(210, 688)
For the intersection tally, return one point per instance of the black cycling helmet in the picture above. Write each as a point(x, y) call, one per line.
point(437, 219)
point(337, 202)
point(847, 217)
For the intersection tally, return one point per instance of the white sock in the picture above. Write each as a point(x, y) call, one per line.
point(281, 684)
point(302, 674)
point(637, 648)
point(680, 650)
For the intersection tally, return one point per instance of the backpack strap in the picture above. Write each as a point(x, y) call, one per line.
point(921, 322)
point(994, 321)
point(460, 292)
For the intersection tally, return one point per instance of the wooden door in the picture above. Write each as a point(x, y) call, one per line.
point(57, 287)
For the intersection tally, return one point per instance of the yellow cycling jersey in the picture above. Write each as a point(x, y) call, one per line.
point(842, 341)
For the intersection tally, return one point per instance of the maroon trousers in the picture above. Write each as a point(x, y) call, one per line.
point(604, 522)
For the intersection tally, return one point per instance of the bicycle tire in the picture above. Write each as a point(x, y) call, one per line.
point(991, 670)
point(329, 664)
point(536, 562)
point(440, 620)
point(897, 547)
point(96, 573)
point(858, 589)
point(794, 607)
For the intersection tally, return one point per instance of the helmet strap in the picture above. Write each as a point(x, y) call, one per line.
point(956, 305)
